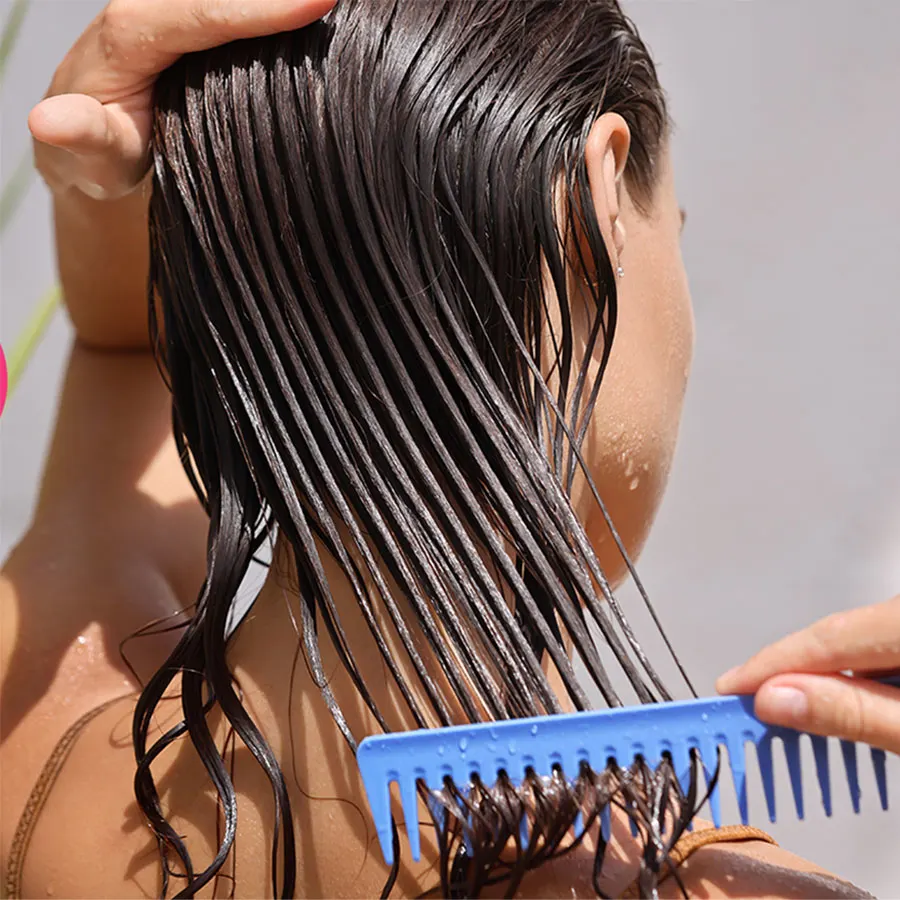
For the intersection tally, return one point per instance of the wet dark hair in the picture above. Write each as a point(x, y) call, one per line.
point(348, 228)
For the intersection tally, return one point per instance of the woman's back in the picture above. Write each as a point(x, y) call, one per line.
point(82, 817)
point(86, 837)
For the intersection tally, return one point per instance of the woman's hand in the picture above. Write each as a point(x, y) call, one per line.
point(92, 131)
point(92, 134)
point(797, 680)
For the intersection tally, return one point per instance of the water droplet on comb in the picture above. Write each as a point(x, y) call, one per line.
point(512, 747)
point(705, 717)
point(440, 749)
point(463, 743)
point(534, 729)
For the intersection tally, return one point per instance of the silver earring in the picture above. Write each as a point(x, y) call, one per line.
point(620, 272)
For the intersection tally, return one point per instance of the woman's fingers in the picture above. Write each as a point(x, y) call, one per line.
point(92, 132)
point(132, 41)
point(865, 639)
point(851, 708)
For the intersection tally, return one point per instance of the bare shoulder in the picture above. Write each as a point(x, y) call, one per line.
point(60, 653)
point(748, 869)
point(87, 837)
point(755, 869)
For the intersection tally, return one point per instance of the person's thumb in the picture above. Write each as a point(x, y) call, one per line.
point(80, 142)
point(855, 709)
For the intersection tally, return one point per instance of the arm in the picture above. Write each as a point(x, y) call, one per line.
point(117, 541)
point(108, 236)
point(118, 538)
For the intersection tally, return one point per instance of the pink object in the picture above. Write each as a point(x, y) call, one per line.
point(3, 381)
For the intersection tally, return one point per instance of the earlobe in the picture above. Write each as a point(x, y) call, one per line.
point(619, 235)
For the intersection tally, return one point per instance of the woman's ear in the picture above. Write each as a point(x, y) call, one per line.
point(605, 156)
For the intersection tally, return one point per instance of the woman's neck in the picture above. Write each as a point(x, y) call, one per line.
point(270, 646)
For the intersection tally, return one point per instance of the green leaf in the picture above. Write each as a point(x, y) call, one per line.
point(11, 32)
point(28, 341)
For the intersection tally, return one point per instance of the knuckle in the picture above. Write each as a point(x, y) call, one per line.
point(209, 13)
point(828, 634)
point(117, 23)
point(62, 77)
point(853, 714)
point(858, 714)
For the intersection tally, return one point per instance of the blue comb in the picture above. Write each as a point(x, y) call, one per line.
point(540, 744)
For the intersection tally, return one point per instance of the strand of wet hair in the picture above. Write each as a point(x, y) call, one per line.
point(476, 827)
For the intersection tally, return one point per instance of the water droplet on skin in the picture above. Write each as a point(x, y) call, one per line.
point(463, 743)
point(82, 639)
point(50, 890)
point(534, 729)
point(629, 467)
point(633, 484)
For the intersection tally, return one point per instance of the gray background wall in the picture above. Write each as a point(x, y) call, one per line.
point(785, 500)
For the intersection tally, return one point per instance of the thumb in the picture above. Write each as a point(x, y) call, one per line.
point(80, 142)
point(855, 709)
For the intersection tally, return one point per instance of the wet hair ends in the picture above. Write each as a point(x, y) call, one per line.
point(349, 225)
point(481, 843)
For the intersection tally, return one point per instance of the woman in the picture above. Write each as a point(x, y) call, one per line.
point(154, 531)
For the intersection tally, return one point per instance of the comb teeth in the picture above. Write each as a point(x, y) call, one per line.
point(516, 745)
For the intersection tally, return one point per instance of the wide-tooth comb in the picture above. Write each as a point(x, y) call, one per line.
point(515, 745)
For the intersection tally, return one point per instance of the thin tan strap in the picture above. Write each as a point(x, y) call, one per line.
point(692, 841)
point(38, 797)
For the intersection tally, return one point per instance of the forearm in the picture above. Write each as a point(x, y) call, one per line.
point(103, 258)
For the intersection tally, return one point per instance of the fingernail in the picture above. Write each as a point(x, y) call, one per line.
point(787, 704)
point(723, 681)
